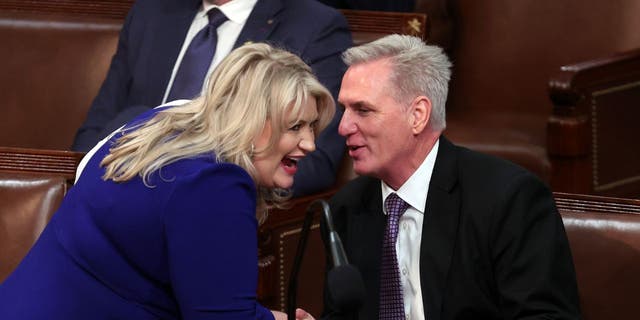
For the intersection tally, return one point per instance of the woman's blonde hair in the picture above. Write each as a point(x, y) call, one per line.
point(254, 84)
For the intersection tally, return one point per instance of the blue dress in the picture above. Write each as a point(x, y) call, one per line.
point(184, 248)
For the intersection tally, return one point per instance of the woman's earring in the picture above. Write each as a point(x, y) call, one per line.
point(252, 150)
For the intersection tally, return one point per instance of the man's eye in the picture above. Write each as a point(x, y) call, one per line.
point(363, 110)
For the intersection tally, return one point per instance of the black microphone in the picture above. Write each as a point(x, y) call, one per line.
point(344, 282)
point(338, 256)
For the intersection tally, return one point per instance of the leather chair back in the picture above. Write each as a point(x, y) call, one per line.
point(604, 235)
point(52, 67)
point(28, 203)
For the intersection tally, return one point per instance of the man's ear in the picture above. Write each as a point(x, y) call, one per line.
point(420, 114)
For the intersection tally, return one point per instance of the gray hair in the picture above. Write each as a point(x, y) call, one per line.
point(417, 69)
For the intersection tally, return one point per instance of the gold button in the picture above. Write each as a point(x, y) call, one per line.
point(270, 21)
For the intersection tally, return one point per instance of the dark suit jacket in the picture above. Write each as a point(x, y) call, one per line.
point(493, 243)
point(150, 42)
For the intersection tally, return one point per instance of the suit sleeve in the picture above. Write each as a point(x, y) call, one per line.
point(109, 109)
point(318, 170)
point(211, 233)
point(533, 266)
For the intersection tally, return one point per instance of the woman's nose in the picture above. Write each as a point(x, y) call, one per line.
point(307, 143)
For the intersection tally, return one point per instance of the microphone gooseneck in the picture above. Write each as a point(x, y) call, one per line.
point(338, 255)
point(344, 282)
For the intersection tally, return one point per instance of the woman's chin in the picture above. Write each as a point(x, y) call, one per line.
point(284, 183)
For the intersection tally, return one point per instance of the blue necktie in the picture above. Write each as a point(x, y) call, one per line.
point(189, 79)
point(391, 297)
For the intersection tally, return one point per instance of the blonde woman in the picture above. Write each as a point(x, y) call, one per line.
point(162, 222)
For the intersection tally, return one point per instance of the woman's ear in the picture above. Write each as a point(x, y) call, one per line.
point(420, 113)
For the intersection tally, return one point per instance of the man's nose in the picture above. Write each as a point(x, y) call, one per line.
point(346, 126)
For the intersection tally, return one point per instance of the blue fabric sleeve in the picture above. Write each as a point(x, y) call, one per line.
point(211, 233)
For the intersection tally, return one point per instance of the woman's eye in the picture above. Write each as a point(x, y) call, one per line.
point(296, 127)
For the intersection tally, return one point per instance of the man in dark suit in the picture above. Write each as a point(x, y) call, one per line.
point(477, 237)
point(156, 33)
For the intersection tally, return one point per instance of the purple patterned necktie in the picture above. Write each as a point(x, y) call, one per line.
point(196, 60)
point(391, 297)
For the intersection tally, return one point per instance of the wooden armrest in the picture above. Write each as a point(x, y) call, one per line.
point(592, 133)
point(40, 161)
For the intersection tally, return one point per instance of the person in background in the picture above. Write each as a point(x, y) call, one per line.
point(438, 231)
point(162, 222)
point(167, 49)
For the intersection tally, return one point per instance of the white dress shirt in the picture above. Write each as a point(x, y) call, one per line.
point(414, 192)
point(237, 11)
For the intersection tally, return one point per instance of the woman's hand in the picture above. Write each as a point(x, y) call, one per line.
point(303, 315)
point(300, 315)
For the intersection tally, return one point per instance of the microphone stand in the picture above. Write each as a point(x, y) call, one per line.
point(297, 261)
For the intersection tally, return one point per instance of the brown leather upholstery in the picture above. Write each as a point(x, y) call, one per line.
point(28, 202)
point(604, 234)
point(32, 185)
point(52, 67)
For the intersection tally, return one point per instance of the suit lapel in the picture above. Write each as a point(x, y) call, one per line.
point(170, 31)
point(367, 227)
point(440, 229)
point(261, 22)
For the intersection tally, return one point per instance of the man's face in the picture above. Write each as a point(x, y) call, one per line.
point(377, 127)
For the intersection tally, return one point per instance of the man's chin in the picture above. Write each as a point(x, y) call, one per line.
point(360, 168)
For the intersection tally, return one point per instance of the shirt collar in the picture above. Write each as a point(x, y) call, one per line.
point(414, 190)
point(237, 11)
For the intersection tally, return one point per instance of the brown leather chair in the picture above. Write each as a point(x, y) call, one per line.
point(52, 67)
point(32, 186)
point(28, 202)
point(604, 234)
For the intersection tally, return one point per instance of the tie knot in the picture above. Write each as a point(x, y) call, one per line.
point(395, 205)
point(216, 17)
